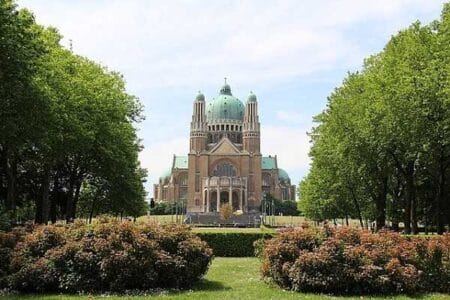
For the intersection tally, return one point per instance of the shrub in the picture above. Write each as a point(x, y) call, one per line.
point(109, 256)
point(226, 211)
point(353, 261)
point(5, 221)
point(8, 241)
point(233, 244)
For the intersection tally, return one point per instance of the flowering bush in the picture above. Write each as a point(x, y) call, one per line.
point(109, 256)
point(8, 241)
point(352, 261)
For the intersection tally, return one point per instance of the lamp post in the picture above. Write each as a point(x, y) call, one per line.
point(264, 208)
point(273, 212)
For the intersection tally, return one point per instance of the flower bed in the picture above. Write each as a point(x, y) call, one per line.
point(352, 261)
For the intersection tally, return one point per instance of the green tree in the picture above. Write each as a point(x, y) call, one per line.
point(66, 123)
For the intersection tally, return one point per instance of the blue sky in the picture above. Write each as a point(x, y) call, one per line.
point(290, 53)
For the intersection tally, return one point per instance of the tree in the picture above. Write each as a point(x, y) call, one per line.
point(226, 211)
point(21, 107)
point(381, 148)
point(67, 123)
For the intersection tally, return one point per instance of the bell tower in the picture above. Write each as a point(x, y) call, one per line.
point(198, 125)
point(251, 144)
point(251, 128)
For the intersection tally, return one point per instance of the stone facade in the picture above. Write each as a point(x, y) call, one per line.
point(224, 164)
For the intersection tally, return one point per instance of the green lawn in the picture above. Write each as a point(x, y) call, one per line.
point(228, 278)
point(279, 220)
point(163, 219)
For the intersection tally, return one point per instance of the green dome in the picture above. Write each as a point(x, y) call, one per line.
point(225, 106)
point(166, 174)
point(251, 97)
point(283, 175)
point(200, 97)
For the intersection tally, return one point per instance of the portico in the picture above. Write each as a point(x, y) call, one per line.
point(222, 190)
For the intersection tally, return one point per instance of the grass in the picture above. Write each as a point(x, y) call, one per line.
point(289, 220)
point(228, 278)
point(279, 220)
point(163, 219)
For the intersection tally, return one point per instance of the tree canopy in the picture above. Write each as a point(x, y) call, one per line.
point(67, 128)
point(381, 148)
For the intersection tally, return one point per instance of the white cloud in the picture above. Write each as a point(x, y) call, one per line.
point(291, 145)
point(164, 44)
point(157, 157)
point(290, 117)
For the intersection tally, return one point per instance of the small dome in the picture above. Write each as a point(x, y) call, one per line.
point(166, 174)
point(283, 175)
point(251, 97)
point(200, 97)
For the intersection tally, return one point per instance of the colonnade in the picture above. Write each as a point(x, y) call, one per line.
point(231, 189)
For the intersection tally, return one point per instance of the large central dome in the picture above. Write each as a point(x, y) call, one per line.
point(225, 106)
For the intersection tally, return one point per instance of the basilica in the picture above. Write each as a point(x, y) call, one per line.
point(224, 164)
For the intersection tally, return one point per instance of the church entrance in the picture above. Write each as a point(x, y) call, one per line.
point(235, 201)
point(213, 202)
point(224, 198)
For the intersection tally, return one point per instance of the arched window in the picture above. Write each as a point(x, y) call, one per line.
point(266, 179)
point(224, 169)
point(183, 179)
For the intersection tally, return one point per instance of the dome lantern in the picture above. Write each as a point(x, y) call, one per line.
point(251, 97)
point(225, 89)
point(200, 97)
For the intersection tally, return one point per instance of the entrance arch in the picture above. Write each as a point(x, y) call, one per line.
point(235, 201)
point(213, 202)
point(224, 198)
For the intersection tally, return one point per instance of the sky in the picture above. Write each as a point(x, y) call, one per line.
point(291, 54)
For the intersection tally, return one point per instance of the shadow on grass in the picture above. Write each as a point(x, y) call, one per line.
point(203, 285)
point(209, 285)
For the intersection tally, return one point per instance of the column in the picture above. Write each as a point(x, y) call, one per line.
point(218, 199)
point(230, 193)
point(244, 207)
point(240, 200)
point(207, 200)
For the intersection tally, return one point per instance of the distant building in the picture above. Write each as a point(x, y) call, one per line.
point(224, 164)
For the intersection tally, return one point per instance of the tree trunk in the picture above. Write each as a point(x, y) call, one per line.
point(358, 209)
point(52, 210)
point(407, 216)
point(380, 205)
point(380, 220)
point(440, 202)
point(54, 198)
point(11, 178)
point(69, 204)
point(414, 227)
point(42, 207)
point(396, 195)
point(410, 204)
point(75, 199)
point(91, 213)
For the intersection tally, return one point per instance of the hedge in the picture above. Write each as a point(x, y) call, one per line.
point(353, 261)
point(233, 244)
